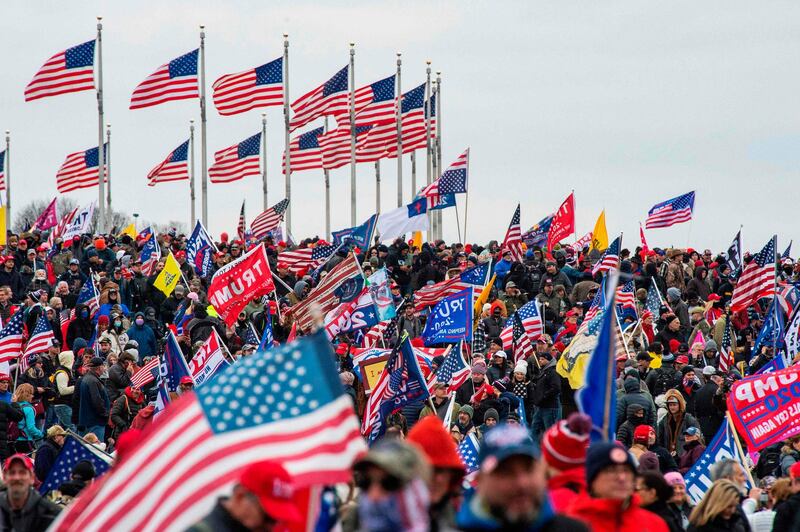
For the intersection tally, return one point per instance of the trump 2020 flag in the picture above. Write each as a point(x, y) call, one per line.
point(402, 220)
point(698, 479)
point(208, 360)
point(286, 404)
point(597, 397)
point(450, 320)
point(199, 249)
point(174, 366)
point(71, 453)
point(379, 286)
point(360, 235)
point(353, 315)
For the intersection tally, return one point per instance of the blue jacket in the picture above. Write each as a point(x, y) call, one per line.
point(94, 406)
point(473, 516)
point(28, 429)
point(501, 269)
point(146, 338)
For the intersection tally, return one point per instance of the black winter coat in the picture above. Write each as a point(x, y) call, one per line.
point(547, 389)
point(8, 412)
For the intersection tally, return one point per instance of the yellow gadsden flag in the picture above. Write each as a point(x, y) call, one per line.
point(169, 276)
point(600, 234)
point(130, 231)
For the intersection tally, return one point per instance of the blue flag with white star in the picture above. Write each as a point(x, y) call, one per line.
point(72, 452)
point(698, 479)
point(450, 320)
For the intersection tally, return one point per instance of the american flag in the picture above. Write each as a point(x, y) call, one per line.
point(785, 255)
point(2, 170)
point(41, 338)
point(671, 212)
point(258, 87)
point(323, 296)
point(305, 151)
point(610, 258)
point(788, 297)
point(11, 337)
point(88, 296)
point(174, 168)
point(373, 104)
point(71, 453)
point(522, 329)
point(237, 161)
point(330, 98)
point(80, 170)
point(146, 373)
point(625, 296)
point(269, 219)
point(59, 230)
point(757, 279)
point(176, 80)
point(197, 450)
point(513, 240)
point(150, 253)
point(453, 181)
point(725, 354)
point(468, 451)
point(335, 146)
point(475, 277)
point(381, 332)
point(307, 258)
point(69, 71)
point(654, 300)
point(241, 227)
point(453, 371)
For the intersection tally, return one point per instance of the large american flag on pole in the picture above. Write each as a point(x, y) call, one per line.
point(258, 87)
point(11, 337)
point(335, 146)
point(513, 240)
point(453, 371)
point(330, 98)
point(293, 411)
point(69, 71)
point(522, 329)
point(305, 259)
point(237, 161)
point(146, 373)
point(80, 170)
point(305, 151)
point(453, 180)
point(176, 80)
point(671, 212)
point(475, 278)
point(269, 219)
point(174, 168)
point(610, 258)
point(373, 104)
point(323, 296)
point(41, 338)
point(757, 279)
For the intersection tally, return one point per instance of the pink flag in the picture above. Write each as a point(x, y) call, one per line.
point(47, 219)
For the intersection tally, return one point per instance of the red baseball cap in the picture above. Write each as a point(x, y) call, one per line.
point(683, 359)
point(272, 485)
point(794, 471)
point(186, 380)
point(26, 462)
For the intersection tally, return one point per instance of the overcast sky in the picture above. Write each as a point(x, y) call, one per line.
point(629, 103)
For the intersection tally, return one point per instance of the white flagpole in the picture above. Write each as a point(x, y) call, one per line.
point(432, 141)
point(264, 159)
point(353, 196)
point(108, 167)
point(378, 186)
point(101, 214)
point(413, 173)
point(286, 152)
point(438, 213)
point(327, 175)
point(399, 114)
point(8, 179)
point(428, 169)
point(203, 136)
point(466, 201)
point(191, 173)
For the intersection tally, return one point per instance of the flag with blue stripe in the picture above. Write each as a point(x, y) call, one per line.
point(698, 479)
point(71, 453)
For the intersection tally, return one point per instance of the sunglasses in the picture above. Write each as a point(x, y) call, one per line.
point(387, 482)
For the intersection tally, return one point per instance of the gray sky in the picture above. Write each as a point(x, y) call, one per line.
point(629, 104)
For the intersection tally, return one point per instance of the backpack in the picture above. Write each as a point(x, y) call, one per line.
point(665, 380)
point(12, 432)
point(769, 461)
point(52, 380)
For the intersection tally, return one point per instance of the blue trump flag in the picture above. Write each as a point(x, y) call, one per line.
point(71, 453)
point(773, 330)
point(267, 338)
point(450, 320)
point(698, 479)
point(444, 201)
point(199, 249)
point(360, 235)
point(173, 365)
point(598, 398)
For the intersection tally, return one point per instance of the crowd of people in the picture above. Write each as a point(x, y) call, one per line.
point(535, 468)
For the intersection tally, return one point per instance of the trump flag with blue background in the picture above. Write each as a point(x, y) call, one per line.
point(450, 320)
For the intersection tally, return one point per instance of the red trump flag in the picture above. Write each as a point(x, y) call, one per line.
point(563, 222)
point(236, 284)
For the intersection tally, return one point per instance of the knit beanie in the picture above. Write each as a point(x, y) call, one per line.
point(674, 478)
point(642, 434)
point(648, 462)
point(436, 443)
point(491, 413)
point(521, 367)
point(466, 409)
point(479, 367)
point(604, 454)
point(564, 444)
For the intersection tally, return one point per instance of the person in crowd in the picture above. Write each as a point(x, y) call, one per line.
point(29, 431)
point(441, 401)
point(21, 506)
point(119, 376)
point(124, 410)
point(511, 489)
point(655, 493)
point(564, 452)
point(47, 453)
point(610, 501)
point(671, 429)
point(729, 469)
point(790, 455)
point(693, 449)
point(719, 509)
point(787, 513)
point(546, 396)
point(261, 499)
point(81, 475)
point(679, 503)
point(94, 402)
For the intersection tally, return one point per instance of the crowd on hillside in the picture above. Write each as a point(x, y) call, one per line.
point(535, 467)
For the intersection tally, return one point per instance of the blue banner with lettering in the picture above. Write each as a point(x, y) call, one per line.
point(450, 320)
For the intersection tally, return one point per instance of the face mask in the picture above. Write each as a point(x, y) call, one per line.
point(139, 321)
point(84, 314)
point(117, 324)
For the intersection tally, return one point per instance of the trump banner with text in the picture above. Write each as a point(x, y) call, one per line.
point(236, 284)
point(450, 320)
